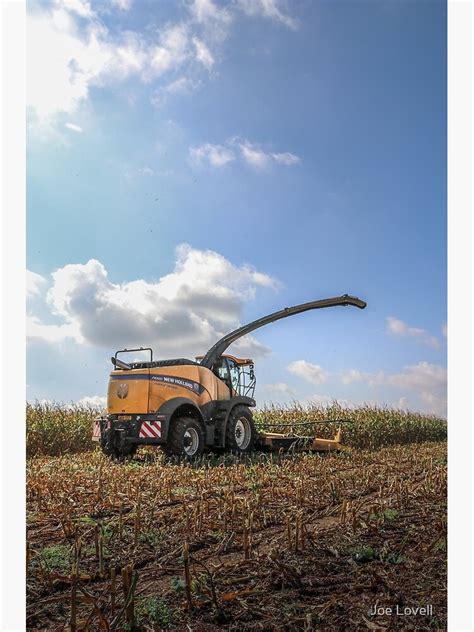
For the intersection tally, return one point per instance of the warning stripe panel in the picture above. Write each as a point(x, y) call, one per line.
point(150, 430)
point(96, 429)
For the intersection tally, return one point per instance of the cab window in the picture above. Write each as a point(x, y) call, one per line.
point(221, 370)
point(234, 374)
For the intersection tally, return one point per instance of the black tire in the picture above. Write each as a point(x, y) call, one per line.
point(117, 453)
point(240, 433)
point(186, 439)
point(127, 451)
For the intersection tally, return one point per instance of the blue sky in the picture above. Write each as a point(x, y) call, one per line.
point(194, 165)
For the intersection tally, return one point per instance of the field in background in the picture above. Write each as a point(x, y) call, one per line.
point(55, 429)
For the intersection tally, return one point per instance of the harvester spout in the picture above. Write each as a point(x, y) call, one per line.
point(218, 349)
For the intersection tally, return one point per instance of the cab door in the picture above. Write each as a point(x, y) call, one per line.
point(234, 375)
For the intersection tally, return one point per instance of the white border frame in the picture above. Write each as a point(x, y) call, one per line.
point(460, 312)
point(12, 350)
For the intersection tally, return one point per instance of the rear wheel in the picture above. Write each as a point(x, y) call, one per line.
point(185, 438)
point(240, 434)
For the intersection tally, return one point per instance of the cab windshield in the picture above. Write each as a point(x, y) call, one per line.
point(240, 378)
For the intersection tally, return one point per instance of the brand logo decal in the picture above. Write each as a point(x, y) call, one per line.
point(122, 391)
point(191, 385)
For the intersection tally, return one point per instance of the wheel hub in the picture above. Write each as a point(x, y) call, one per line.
point(242, 433)
point(191, 441)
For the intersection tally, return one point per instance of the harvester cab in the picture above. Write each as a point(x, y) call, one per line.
point(186, 406)
point(237, 373)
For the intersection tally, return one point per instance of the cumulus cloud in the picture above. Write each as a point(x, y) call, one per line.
point(250, 153)
point(352, 376)
point(70, 49)
point(183, 312)
point(66, 59)
point(427, 381)
point(279, 390)
point(273, 9)
point(312, 373)
point(34, 283)
point(95, 401)
point(36, 330)
point(397, 327)
point(323, 400)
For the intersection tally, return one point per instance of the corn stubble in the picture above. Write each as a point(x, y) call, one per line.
point(278, 542)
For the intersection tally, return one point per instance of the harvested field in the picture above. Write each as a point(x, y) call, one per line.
point(291, 542)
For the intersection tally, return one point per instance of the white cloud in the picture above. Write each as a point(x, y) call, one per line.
point(259, 159)
point(65, 61)
point(180, 86)
point(250, 153)
point(272, 9)
point(402, 404)
point(215, 155)
point(427, 381)
point(74, 128)
point(81, 7)
point(123, 5)
point(185, 311)
point(312, 373)
point(279, 389)
point(352, 376)
point(183, 85)
point(95, 401)
point(397, 327)
point(173, 49)
point(146, 171)
point(205, 11)
point(34, 283)
point(36, 330)
point(286, 158)
point(70, 50)
point(322, 400)
point(254, 156)
point(203, 54)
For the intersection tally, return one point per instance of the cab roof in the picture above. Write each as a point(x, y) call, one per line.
point(241, 361)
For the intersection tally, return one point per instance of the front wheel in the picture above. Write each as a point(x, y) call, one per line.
point(185, 439)
point(240, 434)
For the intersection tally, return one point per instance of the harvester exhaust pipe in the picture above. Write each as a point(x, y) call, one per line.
point(218, 349)
point(120, 364)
